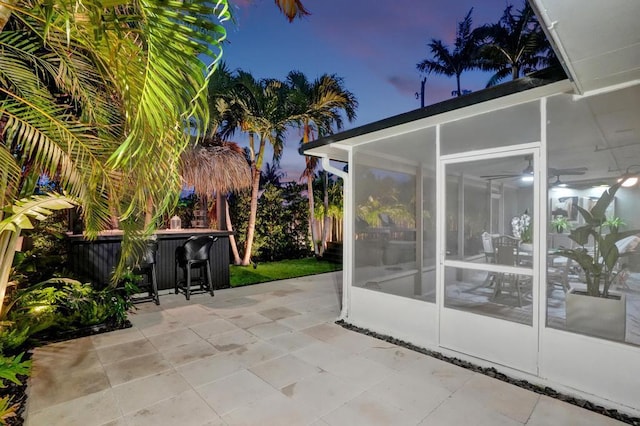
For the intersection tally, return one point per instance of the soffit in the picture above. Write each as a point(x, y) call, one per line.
point(598, 41)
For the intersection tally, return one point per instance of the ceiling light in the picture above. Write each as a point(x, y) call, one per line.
point(558, 183)
point(630, 178)
point(527, 178)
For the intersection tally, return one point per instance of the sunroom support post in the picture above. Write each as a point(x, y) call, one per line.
point(419, 229)
point(348, 236)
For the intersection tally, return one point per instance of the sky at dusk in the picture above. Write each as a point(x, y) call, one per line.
point(373, 45)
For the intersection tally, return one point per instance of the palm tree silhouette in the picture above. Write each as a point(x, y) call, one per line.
point(514, 46)
point(463, 57)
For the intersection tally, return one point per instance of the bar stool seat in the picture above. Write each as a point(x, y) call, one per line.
point(194, 253)
point(146, 265)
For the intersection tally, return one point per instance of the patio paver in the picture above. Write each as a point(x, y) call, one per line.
point(267, 354)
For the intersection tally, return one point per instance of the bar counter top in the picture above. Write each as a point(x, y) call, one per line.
point(160, 233)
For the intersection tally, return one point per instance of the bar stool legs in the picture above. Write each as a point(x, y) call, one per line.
point(194, 253)
point(185, 283)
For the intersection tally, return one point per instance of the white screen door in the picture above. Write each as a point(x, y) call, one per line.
point(488, 279)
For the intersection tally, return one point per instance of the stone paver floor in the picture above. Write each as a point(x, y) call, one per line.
point(267, 354)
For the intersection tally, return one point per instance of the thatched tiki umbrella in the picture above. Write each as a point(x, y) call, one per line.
point(217, 168)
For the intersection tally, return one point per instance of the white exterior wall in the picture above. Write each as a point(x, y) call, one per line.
point(605, 372)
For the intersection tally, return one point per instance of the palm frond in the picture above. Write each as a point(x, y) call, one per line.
point(38, 207)
point(9, 175)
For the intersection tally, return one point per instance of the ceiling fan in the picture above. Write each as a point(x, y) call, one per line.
point(528, 171)
point(575, 171)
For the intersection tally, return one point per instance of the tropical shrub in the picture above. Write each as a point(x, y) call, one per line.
point(46, 254)
point(282, 224)
point(58, 305)
point(10, 368)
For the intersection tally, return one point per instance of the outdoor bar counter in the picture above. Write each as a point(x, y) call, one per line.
point(95, 260)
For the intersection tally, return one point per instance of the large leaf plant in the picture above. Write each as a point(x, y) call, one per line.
point(598, 261)
point(102, 97)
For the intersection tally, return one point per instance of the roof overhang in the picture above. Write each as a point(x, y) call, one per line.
point(597, 41)
point(337, 146)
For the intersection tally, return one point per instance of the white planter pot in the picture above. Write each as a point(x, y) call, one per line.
point(526, 247)
point(597, 316)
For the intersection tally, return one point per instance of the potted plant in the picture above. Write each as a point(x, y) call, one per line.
point(614, 224)
point(561, 224)
point(596, 311)
point(522, 228)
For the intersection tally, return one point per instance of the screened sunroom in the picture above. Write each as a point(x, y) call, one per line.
point(463, 224)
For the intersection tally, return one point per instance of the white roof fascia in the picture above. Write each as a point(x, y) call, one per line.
point(334, 149)
point(607, 89)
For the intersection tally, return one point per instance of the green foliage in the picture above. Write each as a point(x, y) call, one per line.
point(13, 335)
point(11, 367)
point(388, 195)
point(614, 223)
point(7, 409)
point(281, 222)
point(560, 224)
point(184, 210)
point(239, 212)
point(46, 255)
point(60, 304)
point(284, 269)
point(99, 96)
point(599, 262)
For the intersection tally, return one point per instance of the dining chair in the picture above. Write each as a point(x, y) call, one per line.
point(507, 253)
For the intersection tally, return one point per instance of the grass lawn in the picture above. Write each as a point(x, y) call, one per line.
point(271, 271)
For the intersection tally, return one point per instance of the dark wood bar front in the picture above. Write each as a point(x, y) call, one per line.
point(94, 261)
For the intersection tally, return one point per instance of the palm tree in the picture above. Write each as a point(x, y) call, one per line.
point(319, 106)
point(97, 97)
point(260, 109)
point(272, 174)
point(514, 46)
point(331, 191)
point(292, 8)
point(463, 57)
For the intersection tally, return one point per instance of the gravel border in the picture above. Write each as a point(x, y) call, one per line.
point(492, 372)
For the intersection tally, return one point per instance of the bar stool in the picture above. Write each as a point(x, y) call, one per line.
point(194, 253)
point(146, 265)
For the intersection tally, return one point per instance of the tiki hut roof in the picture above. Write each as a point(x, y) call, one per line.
point(215, 168)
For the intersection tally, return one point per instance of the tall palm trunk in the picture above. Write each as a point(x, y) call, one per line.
point(253, 208)
point(232, 238)
point(515, 72)
point(325, 228)
point(312, 214)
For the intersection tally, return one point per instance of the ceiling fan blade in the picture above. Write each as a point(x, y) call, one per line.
point(502, 176)
point(569, 171)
